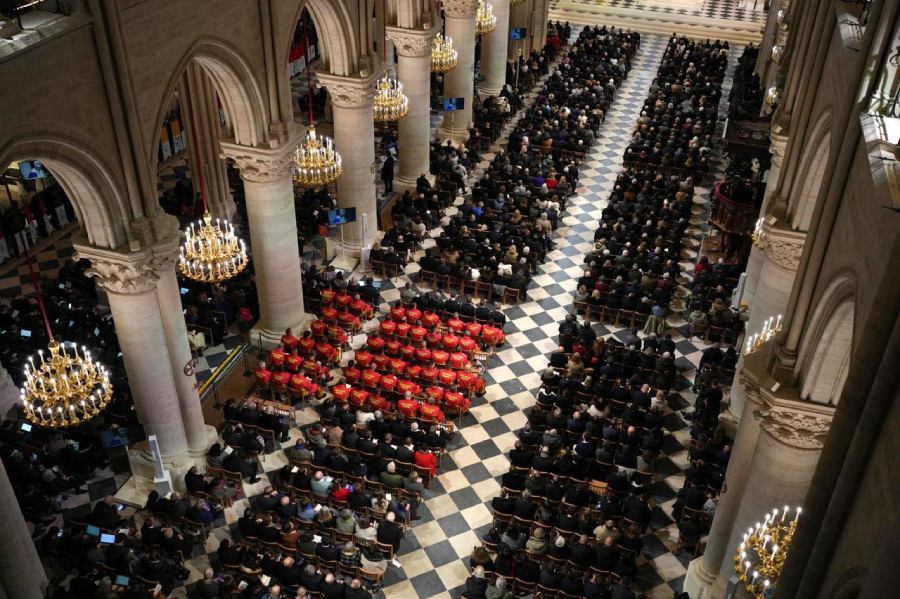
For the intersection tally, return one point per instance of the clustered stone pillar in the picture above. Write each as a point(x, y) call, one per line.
point(459, 21)
point(21, 574)
point(414, 71)
point(352, 100)
point(778, 147)
point(199, 436)
point(539, 24)
point(203, 116)
point(9, 393)
point(130, 281)
point(493, 51)
point(775, 455)
point(777, 268)
point(269, 191)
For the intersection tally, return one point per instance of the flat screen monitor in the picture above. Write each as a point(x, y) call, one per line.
point(341, 216)
point(32, 169)
point(518, 33)
point(451, 104)
point(107, 538)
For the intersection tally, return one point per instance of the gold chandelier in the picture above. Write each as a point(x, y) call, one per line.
point(443, 57)
point(761, 555)
point(485, 21)
point(65, 389)
point(316, 162)
point(769, 330)
point(212, 253)
point(391, 104)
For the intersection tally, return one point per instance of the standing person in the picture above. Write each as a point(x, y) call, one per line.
point(387, 173)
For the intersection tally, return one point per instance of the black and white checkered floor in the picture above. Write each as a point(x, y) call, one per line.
point(732, 10)
point(457, 511)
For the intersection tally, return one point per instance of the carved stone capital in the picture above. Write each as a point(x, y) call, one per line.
point(261, 165)
point(794, 427)
point(349, 92)
point(778, 146)
point(129, 272)
point(460, 9)
point(413, 43)
point(751, 388)
point(784, 252)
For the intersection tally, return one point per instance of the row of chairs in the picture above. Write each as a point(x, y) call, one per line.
point(615, 316)
point(478, 289)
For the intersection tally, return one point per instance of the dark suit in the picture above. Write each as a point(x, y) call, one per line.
point(390, 533)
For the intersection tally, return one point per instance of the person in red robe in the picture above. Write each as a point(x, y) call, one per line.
point(425, 459)
point(289, 341)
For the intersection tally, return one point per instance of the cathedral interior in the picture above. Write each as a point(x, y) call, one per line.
point(481, 299)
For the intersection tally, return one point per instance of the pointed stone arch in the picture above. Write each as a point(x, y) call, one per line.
point(812, 171)
point(825, 351)
point(235, 84)
point(335, 26)
point(92, 186)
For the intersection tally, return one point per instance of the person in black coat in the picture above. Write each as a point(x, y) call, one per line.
point(528, 571)
point(476, 585)
point(311, 579)
point(525, 508)
point(389, 532)
point(288, 572)
point(551, 577)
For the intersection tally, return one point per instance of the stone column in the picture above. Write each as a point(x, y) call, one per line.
point(777, 265)
point(414, 71)
point(201, 112)
point(790, 443)
point(352, 100)
point(130, 281)
point(539, 24)
point(703, 571)
point(21, 572)
point(275, 259)
point(199, 436)
point(493, 51)
point(9, 393)
point(778, 148)
point(459, 21)
point(773, 460)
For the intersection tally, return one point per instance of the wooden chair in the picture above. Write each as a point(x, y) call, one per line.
point(522, 588)
point(385, 549)
point(511, 295)
point(373, 577)
point(542, 592)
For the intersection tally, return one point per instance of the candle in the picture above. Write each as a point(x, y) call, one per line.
point(785, 513)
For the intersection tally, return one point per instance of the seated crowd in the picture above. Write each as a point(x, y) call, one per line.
point(746, 97)
point(503, 232)
point(579, 495)
point(679, 117)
